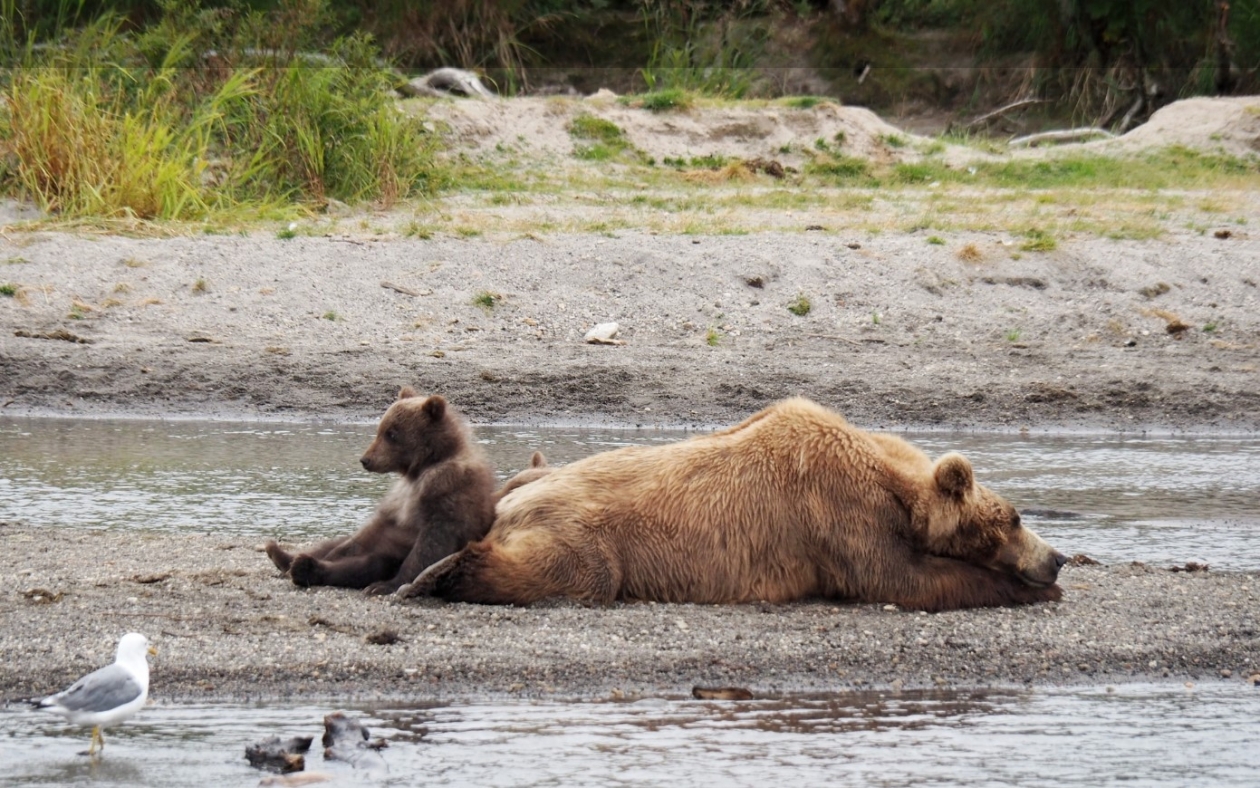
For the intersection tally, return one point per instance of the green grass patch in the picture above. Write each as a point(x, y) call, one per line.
point(709, 161)
point(8, 290)
point(800, 306)
point(804, 102)
point(485, 300)
point(590, 127)
point(668, 100)
point(840, 168)
point(1038, 241)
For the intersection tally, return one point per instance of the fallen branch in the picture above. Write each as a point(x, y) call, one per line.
point(988, 116)
point(444, 83)
point(1062, 135)
point(404, 290)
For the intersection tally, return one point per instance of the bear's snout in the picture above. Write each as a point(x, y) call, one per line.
point(1060, 561)
point(367, 463)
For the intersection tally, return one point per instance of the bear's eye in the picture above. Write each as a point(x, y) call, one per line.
point(391, 436)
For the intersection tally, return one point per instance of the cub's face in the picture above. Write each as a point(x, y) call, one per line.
point(414, 433)
point(982, 528)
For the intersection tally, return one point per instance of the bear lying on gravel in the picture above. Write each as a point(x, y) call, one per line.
point(792, 503)
point(443, 500)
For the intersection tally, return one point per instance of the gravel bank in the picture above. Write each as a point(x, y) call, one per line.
point(229, 628)
point(1099, 334)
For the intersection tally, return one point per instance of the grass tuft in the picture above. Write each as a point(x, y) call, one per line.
point(1038, 241)
point(800, 306)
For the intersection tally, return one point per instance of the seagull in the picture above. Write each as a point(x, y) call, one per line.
point(109, 695)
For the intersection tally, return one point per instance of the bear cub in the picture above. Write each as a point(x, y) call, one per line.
point(443, 500)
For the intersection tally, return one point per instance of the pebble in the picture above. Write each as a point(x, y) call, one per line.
point(603, 334)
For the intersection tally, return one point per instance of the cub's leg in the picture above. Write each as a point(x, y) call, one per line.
point(284, 559)
point(355, 571)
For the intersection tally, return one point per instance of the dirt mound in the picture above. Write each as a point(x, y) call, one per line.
point(1225, 125)
point(540, 127)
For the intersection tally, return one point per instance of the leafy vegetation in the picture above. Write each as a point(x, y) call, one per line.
point(115, 122)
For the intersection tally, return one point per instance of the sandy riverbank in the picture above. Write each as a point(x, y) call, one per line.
point(1100, 334)
point(228, 627)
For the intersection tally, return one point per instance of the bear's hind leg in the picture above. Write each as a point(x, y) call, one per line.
point(484, 574)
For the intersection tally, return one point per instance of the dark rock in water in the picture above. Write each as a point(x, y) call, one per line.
point(1052, 514)
point(721, 693)
point(1191, 566)
point(279, 756)
point(347, 740)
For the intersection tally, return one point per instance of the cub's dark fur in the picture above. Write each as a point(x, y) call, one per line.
point(443, 500)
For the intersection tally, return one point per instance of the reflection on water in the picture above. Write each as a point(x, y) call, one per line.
point(1162, 500)
point(1136, 735)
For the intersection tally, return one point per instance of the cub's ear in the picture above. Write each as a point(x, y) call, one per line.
point(435, 407)
point(407, 392)
point(538, 460)
point(953, 474)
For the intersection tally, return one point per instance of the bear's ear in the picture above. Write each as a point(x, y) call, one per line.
point(435, 407)
point(538, 460)
point(407, 392)
point(953, 474)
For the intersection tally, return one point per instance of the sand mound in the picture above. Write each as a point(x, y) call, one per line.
point(540, 127)
point(536, 127)
point(1225, 125)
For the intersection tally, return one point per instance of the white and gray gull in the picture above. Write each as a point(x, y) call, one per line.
point(109, 695)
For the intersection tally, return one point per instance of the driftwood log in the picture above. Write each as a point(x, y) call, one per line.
point(444, 83)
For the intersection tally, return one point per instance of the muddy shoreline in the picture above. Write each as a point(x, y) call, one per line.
point(229, 628)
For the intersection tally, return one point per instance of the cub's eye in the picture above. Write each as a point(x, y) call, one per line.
point(391, 436)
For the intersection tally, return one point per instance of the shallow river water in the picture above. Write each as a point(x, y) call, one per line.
point(1131, 735)
point(1157, 500)
point(1117, 499)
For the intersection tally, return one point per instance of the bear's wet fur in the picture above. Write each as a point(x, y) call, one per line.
point(793, 503)
point(444, 499)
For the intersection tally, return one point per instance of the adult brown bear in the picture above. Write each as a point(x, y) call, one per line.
point(443, 499)
point(792, 503)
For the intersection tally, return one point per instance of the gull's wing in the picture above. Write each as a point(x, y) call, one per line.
point(108, 688)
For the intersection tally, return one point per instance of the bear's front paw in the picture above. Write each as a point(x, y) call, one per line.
point(1051, 593)
point(304, 570)
point(278, 556)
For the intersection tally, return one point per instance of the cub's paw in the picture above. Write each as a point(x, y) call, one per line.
point(278, 556)
point(304, 570)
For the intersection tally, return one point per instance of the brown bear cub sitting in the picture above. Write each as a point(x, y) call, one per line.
point(444, 500)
